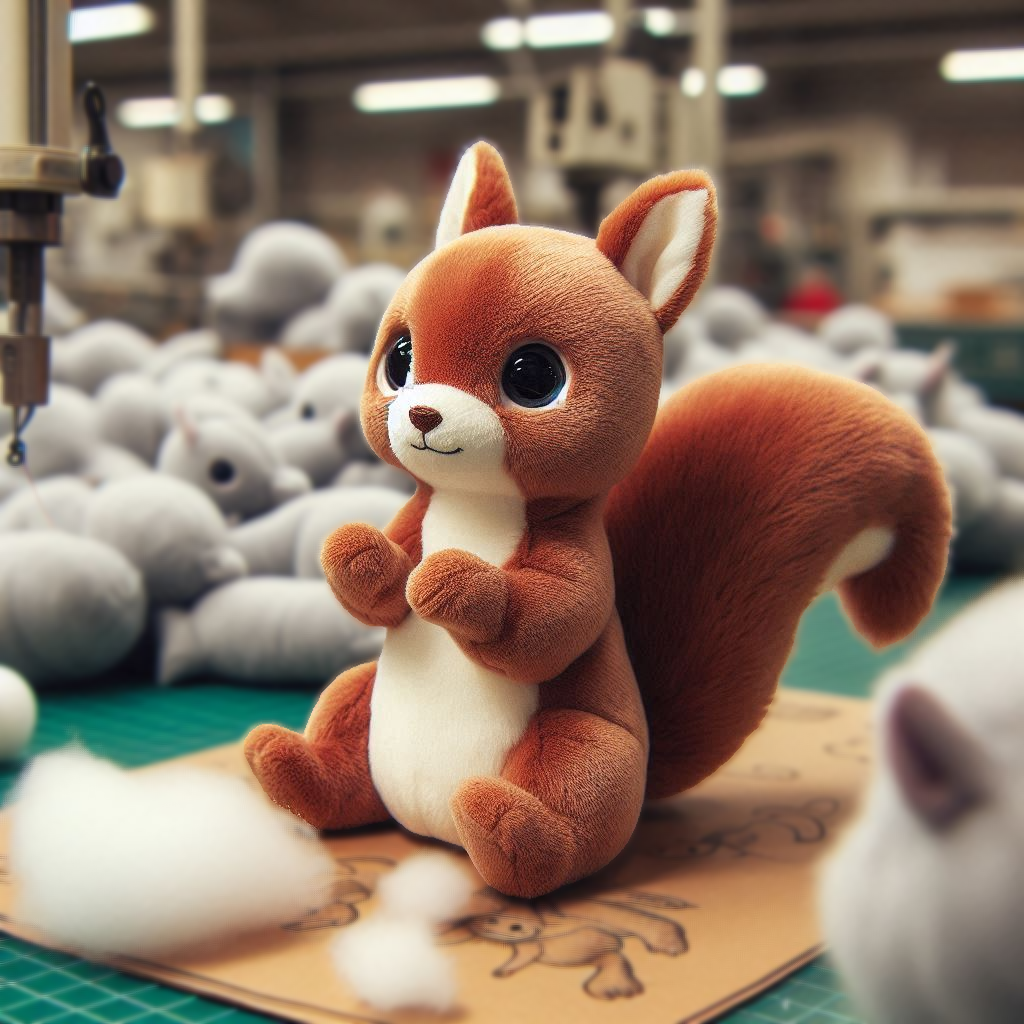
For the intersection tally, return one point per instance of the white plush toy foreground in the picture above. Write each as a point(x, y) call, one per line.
point(923, 904)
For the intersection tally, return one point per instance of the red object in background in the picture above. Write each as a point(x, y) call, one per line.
point(814, 294)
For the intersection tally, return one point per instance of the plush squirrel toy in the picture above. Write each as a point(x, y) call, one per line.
point(586, 605)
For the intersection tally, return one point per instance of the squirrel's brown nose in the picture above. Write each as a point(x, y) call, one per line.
point(424, 418)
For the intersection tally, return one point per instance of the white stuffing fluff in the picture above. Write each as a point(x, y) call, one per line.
point(143, 864)
point(429, 887)
point(391, 960)
point(394, 964)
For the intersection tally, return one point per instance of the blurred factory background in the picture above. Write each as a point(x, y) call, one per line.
point(857, 152)
point(286, 164)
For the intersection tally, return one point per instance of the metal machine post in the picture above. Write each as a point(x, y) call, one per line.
point(38, 168)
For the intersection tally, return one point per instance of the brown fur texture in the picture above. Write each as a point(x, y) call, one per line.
point(324, 775)
point(469, 305)
point(494, 202)
point(753, 481)
point(749, 487)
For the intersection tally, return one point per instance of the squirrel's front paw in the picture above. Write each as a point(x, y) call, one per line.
point(462, 593)
point(367, 573)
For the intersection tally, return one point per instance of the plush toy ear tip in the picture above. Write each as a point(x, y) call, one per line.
point(480, 195)
point(940, 769)
point(660, 238)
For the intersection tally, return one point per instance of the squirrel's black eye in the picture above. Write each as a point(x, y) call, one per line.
point(533, 376)
point(398, 362)
point(222, 471)
point(308, 411)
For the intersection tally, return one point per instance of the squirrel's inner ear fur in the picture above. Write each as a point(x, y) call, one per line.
point(661, 238)
point(480, 195)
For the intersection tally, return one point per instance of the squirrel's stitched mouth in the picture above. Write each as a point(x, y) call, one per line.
point(437, 451)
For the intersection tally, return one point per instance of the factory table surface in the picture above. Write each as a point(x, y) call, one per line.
point(139, 724)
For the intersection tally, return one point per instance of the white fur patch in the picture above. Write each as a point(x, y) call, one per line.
point(437, 717)
point(869, 548)
point(453, 213)
point(143, 863)
point(661, 255)
point(469, 443)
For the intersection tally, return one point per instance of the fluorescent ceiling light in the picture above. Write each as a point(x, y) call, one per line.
point(733, 80)
point(111, 21)
point(503, 34)
point(214, 109)
point(548, 31)
point(426, 94)
point(162, 111)
point(663, 21)
point(983, 65)
point(583, 28)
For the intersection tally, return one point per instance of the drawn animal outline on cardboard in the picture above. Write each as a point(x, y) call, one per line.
point(566, 931)
point(774, 832)
point(854, 748)
point(355, 881)
point(576, 931)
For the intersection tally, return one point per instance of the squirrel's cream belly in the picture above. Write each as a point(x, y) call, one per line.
point(438, 718)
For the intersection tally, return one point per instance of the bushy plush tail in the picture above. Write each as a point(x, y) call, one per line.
point(760, 487)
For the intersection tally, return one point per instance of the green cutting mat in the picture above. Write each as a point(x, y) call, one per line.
point(136, 725)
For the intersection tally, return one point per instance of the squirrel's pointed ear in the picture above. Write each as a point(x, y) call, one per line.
point(480, 195)
point(660, 238)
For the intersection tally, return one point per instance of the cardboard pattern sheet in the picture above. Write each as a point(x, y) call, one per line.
point(712, 902)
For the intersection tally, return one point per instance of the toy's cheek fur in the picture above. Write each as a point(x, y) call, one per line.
point(469, 305)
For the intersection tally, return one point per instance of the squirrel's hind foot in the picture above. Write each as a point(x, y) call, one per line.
point(518, 845)
point(315, 781)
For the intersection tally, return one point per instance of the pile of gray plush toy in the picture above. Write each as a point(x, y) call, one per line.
point(179, 496)
point(981, 448)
